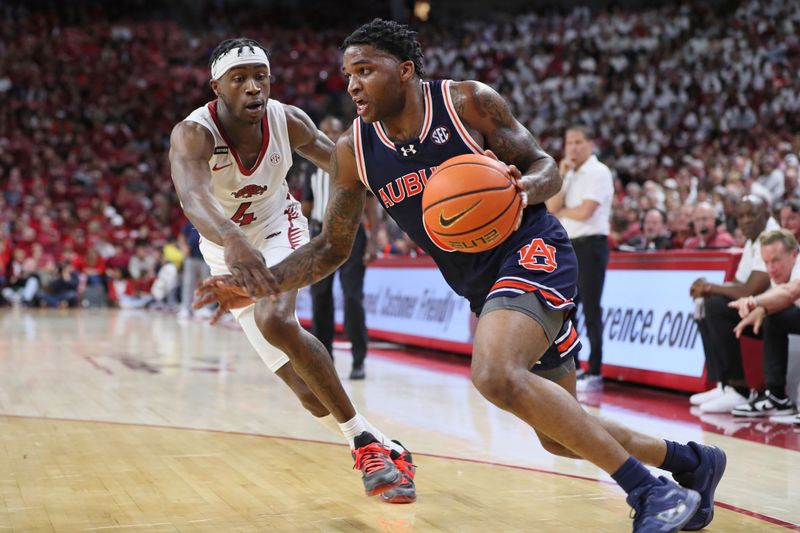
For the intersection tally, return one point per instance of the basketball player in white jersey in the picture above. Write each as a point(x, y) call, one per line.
point(229, 161)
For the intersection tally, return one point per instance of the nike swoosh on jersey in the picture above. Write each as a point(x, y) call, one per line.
point(215, 167)
point(446, 222)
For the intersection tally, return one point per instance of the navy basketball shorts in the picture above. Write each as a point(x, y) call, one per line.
point(539, 278)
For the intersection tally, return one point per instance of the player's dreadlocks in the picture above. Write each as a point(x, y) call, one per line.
point(390, 36)
point(229, 44)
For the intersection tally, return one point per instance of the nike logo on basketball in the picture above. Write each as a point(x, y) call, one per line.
point(215, 167)
point(446, 222)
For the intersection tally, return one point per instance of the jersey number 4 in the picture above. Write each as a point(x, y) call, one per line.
point(241, 216)
point(538, 256)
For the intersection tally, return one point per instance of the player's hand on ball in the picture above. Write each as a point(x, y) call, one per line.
point(515, 174)
point(223, 291)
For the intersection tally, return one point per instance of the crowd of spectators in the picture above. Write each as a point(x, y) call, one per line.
point(693, 106)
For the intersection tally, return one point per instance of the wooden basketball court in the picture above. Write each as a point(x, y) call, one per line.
point(136, 421)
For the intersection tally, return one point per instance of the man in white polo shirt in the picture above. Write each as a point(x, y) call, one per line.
point(780, 318)
point(584, 208)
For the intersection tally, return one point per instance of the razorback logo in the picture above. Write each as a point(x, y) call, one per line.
point(295, 233)
point(248, 191)
point(538, 256)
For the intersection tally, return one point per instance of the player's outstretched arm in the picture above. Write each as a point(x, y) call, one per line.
point(307, 140)
point(481, 108)
point(320, 257)
point(323, 255)
point(191, 146)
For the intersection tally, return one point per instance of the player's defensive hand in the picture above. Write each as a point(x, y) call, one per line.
point(223, 291)
point(516, 176)
point(248, 267)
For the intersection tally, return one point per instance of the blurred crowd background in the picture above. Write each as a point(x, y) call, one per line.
point(694, 105)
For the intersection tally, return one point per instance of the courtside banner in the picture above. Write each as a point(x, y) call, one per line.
point(406, 303)
point(649, 321)
point(650, 333)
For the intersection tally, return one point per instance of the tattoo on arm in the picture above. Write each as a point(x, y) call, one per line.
point(491, 105)
point(458, 102)
point(514, 144)
point(323, 255)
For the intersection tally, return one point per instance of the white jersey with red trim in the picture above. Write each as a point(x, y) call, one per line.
point(256, 198)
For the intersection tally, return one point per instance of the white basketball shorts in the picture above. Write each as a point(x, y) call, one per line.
point(282, 239)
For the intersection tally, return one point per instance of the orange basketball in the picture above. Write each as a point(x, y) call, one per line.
point(470, 204)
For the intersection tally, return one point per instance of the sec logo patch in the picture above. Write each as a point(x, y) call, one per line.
point(440, 135)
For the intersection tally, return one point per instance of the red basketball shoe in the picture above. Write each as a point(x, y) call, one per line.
point(378, 472)
point(406, 491)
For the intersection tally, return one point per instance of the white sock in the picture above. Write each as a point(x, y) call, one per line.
point(358, 424)
point(354, 426)
point(386, 441)
point(330, 423)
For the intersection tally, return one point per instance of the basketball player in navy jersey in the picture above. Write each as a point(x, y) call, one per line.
point(229, 160)
point(522, 290)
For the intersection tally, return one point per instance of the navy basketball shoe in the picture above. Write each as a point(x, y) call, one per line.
point(378, 471)
point(406, 491)
point(704, 479)
point(663, 507)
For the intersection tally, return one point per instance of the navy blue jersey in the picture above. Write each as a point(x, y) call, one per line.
point(537, 258)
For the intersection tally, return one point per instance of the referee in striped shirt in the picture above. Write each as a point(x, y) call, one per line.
point(316, 194)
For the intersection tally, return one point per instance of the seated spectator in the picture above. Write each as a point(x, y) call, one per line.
point(94, 268)
point(136, 293)
point(779, 251)
point(117, 283)
point(680, 225)
point(143, 262)
point(5, 257)
point(93, 280)
point(708, 234)
point(716, 322)
point(781, 297)
point(632, 229)
point(772, 179)
point(791, 185)
point(62, 291)
point(655, 236)
point(790, 216)
point(23, 286)
point(729, 202)
point(165, 287)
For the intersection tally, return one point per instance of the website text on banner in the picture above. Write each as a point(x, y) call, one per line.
point(649, 321)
